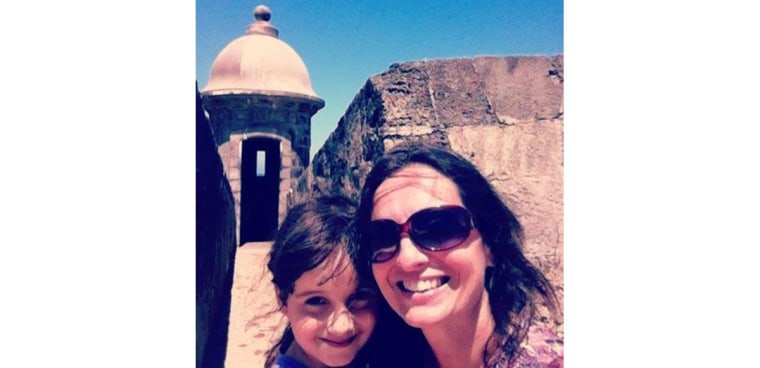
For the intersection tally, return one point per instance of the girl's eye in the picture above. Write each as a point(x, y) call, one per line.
point(316, 300)
point(359, 304)
point(361, 300)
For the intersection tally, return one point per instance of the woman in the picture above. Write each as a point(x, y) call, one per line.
point(445, 252)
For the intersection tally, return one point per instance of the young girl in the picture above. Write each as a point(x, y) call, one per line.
point(330, 309)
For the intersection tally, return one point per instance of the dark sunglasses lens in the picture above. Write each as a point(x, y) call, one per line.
point(384, 238)
point(441, 228)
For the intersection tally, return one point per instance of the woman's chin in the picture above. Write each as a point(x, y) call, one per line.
point(422, 317)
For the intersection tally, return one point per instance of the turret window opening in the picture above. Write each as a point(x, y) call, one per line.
point(261, 159)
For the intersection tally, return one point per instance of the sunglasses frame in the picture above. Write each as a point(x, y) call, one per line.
point(406, 229)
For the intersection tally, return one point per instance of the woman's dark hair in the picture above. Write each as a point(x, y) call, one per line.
point(316, 231)
point(513, 282)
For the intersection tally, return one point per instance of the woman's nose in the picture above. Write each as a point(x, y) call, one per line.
point(410, 257)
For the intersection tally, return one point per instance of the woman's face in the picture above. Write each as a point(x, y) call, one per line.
point(428, 288)
point(331, 319)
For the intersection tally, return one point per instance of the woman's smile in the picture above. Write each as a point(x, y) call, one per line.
point(421, 286)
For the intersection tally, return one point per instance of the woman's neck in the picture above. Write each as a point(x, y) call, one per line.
point(461, 341)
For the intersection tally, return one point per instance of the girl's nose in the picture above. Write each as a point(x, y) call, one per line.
point(341, 323)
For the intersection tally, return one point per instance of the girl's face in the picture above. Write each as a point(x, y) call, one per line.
point(429, 288)
point(331, 318)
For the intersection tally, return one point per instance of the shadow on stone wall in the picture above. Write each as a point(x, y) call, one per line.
point(215, 247)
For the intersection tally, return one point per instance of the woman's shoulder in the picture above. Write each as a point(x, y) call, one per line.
point(543, 347)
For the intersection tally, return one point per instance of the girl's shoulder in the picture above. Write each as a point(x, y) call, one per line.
point(283, 361)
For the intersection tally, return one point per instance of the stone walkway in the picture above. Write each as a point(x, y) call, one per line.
point(254, 323)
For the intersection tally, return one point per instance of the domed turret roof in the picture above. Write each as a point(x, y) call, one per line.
point(259, 63)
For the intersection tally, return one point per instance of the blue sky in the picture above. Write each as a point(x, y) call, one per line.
point(343, 43)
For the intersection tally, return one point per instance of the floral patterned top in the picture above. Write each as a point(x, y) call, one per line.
point(542, 348)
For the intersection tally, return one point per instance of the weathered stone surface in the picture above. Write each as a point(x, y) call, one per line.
point(344, 160)
point(214, 248)
point(503, 113)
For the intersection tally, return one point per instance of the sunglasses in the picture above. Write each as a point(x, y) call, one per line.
point(434, 229)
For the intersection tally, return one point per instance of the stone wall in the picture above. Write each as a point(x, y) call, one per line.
point(215, 247)
point(503, 113)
